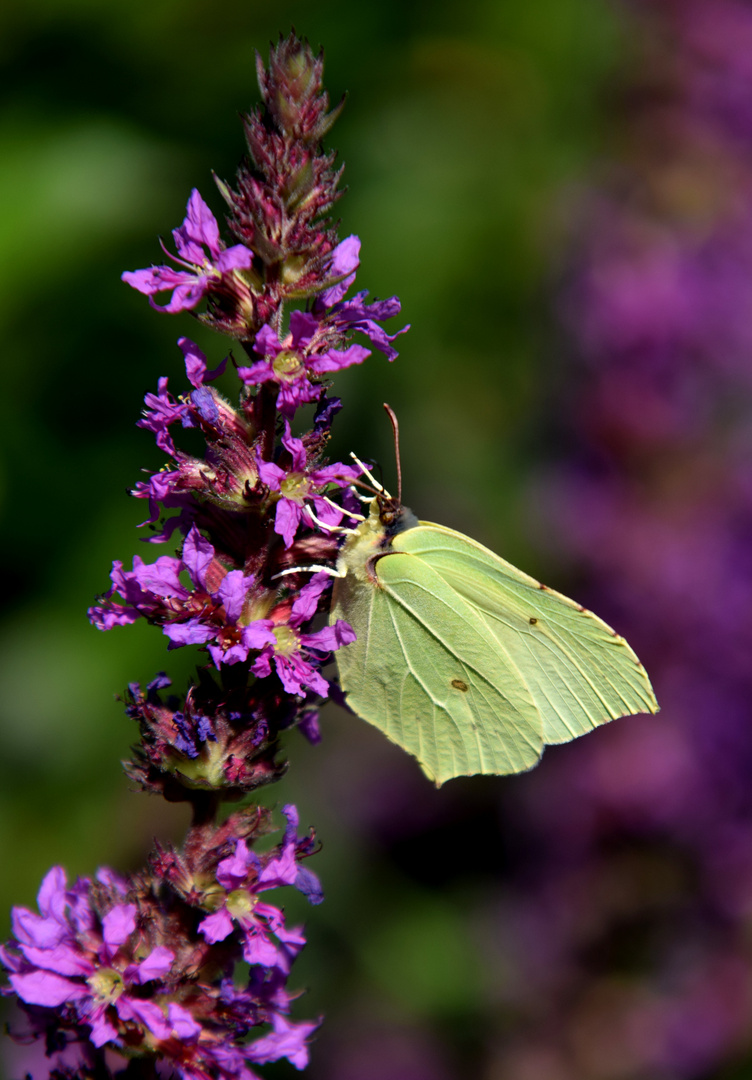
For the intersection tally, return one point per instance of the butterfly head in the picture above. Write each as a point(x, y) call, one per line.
point(393, 517)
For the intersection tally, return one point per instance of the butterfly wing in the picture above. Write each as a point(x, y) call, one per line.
point(424, 671)
point(579, 671)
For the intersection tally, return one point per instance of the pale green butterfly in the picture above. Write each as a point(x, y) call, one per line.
point(465, 661)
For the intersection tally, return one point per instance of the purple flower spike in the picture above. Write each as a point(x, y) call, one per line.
point(201, 272)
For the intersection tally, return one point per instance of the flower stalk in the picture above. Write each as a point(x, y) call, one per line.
point(141, 974)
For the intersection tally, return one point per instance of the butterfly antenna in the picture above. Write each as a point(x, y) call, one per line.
point(395, 427)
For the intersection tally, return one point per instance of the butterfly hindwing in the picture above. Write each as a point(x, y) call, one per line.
point(427, 673)
point(579, 672)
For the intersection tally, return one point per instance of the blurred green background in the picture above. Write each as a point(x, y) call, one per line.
point(465, 129)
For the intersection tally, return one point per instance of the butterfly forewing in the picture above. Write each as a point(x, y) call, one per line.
point(579, 672)
point(427, 673)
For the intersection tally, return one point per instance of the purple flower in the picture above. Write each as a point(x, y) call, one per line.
point(301, 485)
point(316, 343)
point(244, 876)
point(226, 476)
point(162, 410)
point(201, 273)
point(201, 615)
point(67, 956)
point(289, 650)
point(289, 362)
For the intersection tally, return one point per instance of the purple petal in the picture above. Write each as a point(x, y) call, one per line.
point(233, 591)
point(105, 618)
point(280, 871)
point(9, 960)
point(330, 638)
point(288, 1039)
point(258, 949)
point(326, 410)
point(155, 279)
point(271, 475)
point(379, 337)
point(31, 929)
point(161, 577)
point(338, 359)
point(303, 327)
point(261, 371)
point(325, 512)
point(205, 404)
point(292, 395)
point(81, 915)
point(182, 1023)
point(63, 959)
point(199, 227)
point(345, 260)
point(146, 1012)
point(262, 667)
point(308, 883)
point(309, 726)
point(186, 295)
point(195, 363)
point(293, 820)
point(258, 634)
point(296, 674)
point(232, 872)
point(292, 941)
point(267, 343)
point(156, 964)
point(346, 256)
point(307, 602)
point(296, 449)
point(102, 1030)
point(51, 897)
point(160, 413)
point(237, 257)
point(236, 654)
point(45, 988)
point(105, 875)
point(271, 915)
point(119, 923)
point(193, 632)
point(216, 927)
point(197, 555)
point(286, 520)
